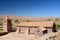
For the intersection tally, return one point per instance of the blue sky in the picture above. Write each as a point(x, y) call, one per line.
point(37, 8)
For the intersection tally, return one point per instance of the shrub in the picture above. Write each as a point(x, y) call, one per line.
point(1, 28)
point(58, 26)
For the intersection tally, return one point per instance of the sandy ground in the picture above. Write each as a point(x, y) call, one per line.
point(14, 36)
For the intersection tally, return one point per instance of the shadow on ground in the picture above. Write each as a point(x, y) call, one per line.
point(3, 33)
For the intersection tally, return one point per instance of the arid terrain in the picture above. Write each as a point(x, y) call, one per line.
point(18, 19)
point(15, 36)
point(29, 19)
point(22, 18)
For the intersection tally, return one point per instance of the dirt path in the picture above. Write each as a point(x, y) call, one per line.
point(14, 36)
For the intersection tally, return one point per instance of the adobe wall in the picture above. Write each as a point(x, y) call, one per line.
point(7, 25)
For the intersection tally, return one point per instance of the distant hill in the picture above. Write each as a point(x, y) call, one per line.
point(25, 18)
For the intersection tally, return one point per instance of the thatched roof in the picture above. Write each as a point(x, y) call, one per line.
point(38, 24)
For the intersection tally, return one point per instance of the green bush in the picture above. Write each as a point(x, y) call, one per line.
point(1, 22)
point(58, 25)
point(16, 21)
point(14, 28)
point(1, 28)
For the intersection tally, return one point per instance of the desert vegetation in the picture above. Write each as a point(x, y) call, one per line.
point(1, 25)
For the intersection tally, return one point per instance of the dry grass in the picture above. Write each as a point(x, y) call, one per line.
point(58, 35)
